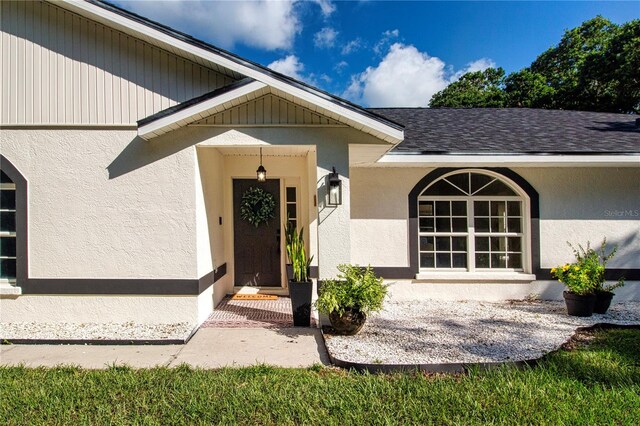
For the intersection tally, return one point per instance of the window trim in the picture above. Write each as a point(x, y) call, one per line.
point(21, 234)
point(530, 199)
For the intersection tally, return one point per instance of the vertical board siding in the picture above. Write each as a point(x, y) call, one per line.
point(60, 68)
point(268, 110)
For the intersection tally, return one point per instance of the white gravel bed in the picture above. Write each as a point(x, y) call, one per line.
point(437, 331)
point(95, 331)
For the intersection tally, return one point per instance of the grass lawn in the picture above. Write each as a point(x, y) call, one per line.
point(598, 382)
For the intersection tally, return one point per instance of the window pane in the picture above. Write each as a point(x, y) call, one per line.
point(482, 225)
point(478, 181)
point(291, 194)
point(7, 268)
point(459, 208)
point(496, 188)
point(442, 187)
point(515, 225)
point(8, 221)
point(498, 260)
point(481, 208)
point(294, 223)
point(515, 261)
point(459, 260)
point(443, 224)
point(498, 208)
point(482, 243)
point(291, 210)
point(443, 260)
point(513, 208)
point(425, 208)
point(497, 225)
point(4, 178)
point(498, 244)
point(443, 244)
point(482, 260)
point(426, 243)
point(426, 260)
point(426, 225)
point(8, 246)
point(442, 208)
point(459, 243)
point(459, 224)
point(461, 180)
point(8, 199)
point(515, 244)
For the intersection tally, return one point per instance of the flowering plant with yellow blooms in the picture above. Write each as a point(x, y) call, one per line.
point(586, 274)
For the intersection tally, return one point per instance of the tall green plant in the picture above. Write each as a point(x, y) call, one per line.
point(296, 253)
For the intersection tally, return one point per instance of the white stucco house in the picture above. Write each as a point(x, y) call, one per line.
point(126, 147)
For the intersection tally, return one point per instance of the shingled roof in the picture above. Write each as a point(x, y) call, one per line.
point(513, 131)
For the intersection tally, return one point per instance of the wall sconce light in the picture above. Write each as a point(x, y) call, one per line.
point(335, 189)
point(261, 172)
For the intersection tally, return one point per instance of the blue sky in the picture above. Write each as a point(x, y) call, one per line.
point(381, 53)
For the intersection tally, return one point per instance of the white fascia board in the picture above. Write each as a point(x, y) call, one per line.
point(161, 125)
point(88, 9)
point(604, 160)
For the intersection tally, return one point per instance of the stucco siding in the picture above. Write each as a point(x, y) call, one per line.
point(61, 68)
point(105, 204)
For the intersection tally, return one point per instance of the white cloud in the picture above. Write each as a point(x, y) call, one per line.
point(477, 65)
point(340, 66)
point(325, 38)
point(326, 6)
point(387, 37)
point(405, 77)
point(289, 65)
point(352, 46)
point(263, 24)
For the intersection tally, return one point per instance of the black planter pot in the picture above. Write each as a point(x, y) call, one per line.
point(300, 293)
point(603, 301)
point(349, 323)
point(289, 268)
point(579, 305)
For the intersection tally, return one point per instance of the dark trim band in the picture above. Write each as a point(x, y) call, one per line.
point(124, 286)
point(22, 214)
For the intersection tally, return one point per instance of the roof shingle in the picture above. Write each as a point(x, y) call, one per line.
point(513, 131)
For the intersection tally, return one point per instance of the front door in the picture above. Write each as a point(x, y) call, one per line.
point(256, 249)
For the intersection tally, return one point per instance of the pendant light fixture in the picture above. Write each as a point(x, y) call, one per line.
point(261, 172)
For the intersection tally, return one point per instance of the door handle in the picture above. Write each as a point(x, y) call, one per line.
point(278, 239)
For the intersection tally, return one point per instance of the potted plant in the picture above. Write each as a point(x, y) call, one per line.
point(585, 281)
point(300, 286)
point(348, 299)
point(289, 234)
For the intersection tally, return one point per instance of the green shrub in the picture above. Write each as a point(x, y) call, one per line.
point(355, 288)
point(586, 274)
point(296, 253)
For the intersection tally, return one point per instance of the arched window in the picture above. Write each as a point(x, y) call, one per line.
point(473, 220)
point(7, 228)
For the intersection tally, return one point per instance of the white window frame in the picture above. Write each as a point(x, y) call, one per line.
point(525, 233)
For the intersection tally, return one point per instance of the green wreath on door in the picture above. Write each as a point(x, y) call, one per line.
point(257, 206)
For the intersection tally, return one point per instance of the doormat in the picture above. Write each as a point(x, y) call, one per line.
point(241, 296)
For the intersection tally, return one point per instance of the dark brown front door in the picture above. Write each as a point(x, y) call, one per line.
point(256, 250)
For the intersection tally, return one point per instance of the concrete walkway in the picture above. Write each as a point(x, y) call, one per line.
point(209, 348)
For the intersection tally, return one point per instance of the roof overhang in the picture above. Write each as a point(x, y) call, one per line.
point(191, 111)
point(203, 53)
point(511, 160)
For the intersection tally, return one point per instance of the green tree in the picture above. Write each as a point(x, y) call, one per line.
point(594, 67)
point(528, 89)
point(474, 89)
